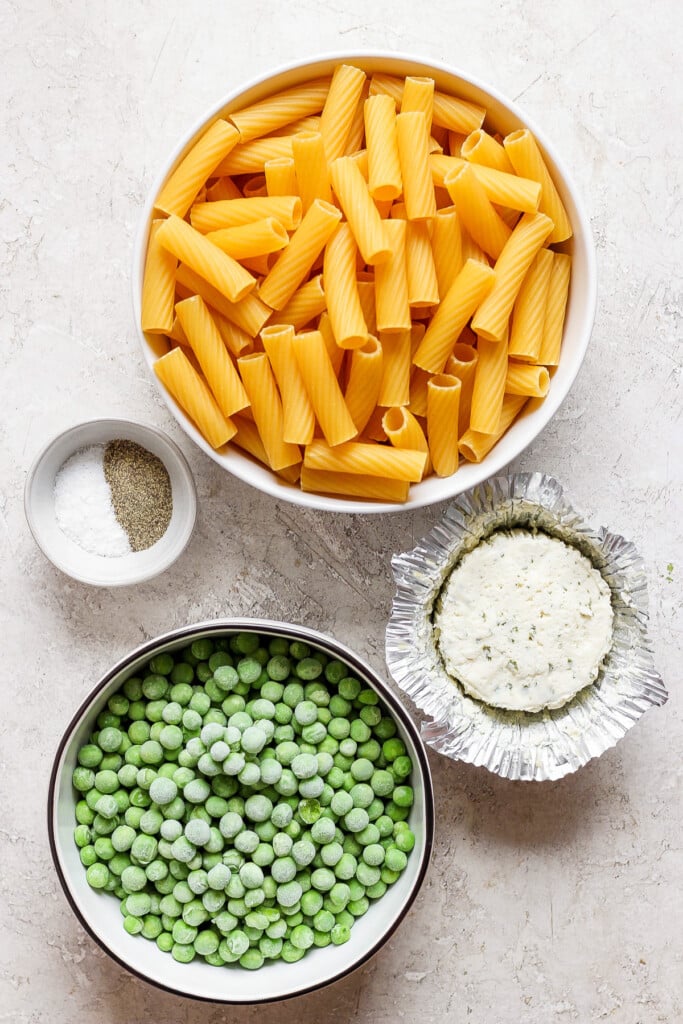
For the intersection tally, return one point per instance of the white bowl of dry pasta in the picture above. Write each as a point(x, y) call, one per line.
point(364, 283)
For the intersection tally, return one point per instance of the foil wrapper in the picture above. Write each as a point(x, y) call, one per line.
point(519, 745)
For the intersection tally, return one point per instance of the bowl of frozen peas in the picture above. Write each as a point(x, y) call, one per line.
point(241, 811)
point(364, 282)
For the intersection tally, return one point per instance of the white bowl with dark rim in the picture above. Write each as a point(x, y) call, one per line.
point(502, 115)
point(100, 914)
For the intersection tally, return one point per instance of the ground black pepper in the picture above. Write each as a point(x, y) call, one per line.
point(140, 492)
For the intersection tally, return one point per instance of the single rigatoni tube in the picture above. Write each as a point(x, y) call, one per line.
point(355, 486)
point(192, 394)
point(206, 259)
point(418, 95)
point(294, 263)
point(356, 134)
point(395, 387)
point(312, 172)
point(507, 190)
point(340, 107)
point(323, 388)
point(208, 346)
point(476, 211)
point(229, 213)
point(158, 287)
point(369, 459)
point(305, 305)
point(481, 148)
point(281, 109)
point(492, 317)
point(250, 313)
point(423, 285)
point(199, 164)
point(489, 385)
point(384, 166)
point(341, 289)
point(461, 300)
point(280, 177)
point(297, 411)
point(443, 409)
point(360, 211)
point(251, 157)
point(266, 406)
point(223, 188)
point(365, 379)
point(404, 431)
point(462, 363)
point(474, 446)
point(446, 240)
point(525, 157)
point(391, 282)
point(413, 150)
point(249, 240)
point(555, 310)
point(522, 379)
point(528, 317)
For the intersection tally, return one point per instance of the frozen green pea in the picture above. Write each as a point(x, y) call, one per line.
point(83, 779)
point(253, 739)
point(122, 838)
point(197, 832)
point(323, 831)
point(133, 925)
point(361, 794)
point(106, 782)
point(163, 791)
point(171, 737)
point(156, 871)
point(133, 879)
point(345, 869)
point(289, 894)
point(103, 848)
point(183, 953)
point(183, 850)
point(308, 668)
point(106, 807)
point(138, 904)
point(304, 766)
point(356, 819)
point(183, 933)
point(198, 881)
point(395, 859)
point(404, 840)
point(219, 876)
point(250, 774)
point(246, 841)
point(331, 854)
point(144, 848)
point(172, 713)
point(323, 879)
point(195, 913)
point(403, 796)
point(402, 767)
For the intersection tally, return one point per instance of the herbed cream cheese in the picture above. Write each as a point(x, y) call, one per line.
point(524, 621)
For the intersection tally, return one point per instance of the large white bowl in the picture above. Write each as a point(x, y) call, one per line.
point(505, 117)
point(100, 914)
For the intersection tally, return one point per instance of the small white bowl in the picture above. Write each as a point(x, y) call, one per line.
point(64, 553)
point(505, 116)
point(100, 914)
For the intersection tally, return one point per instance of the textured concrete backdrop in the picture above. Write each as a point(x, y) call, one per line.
point(543, 903)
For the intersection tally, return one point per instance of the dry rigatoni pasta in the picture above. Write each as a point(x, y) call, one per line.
point(443, 406)
point(297, 411)
point(158, 288)
point(181, 380)
point(266, 406)
point(337, 242)
point(217, 366)
point(343, 302)
point(365, 379)
point(322, 387)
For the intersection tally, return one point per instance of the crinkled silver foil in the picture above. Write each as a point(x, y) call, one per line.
point(521, 745)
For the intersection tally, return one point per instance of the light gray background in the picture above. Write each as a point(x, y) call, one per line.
point(543, 903)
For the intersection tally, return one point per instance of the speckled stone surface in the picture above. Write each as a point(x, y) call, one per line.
point(558, 902)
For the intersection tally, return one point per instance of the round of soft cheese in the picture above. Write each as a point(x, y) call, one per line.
point(524, 621)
